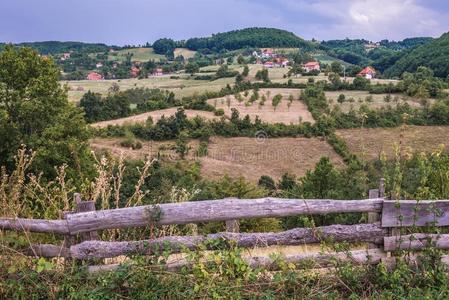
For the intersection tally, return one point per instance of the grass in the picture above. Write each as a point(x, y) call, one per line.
point(370, 143)
point(155, 115)
point(139, 54)
point(266, 112)
point(184, 86)
point(360, 98)
point(186, 53)
point(244, 157)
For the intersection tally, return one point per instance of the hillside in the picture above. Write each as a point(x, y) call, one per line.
point(249, 37)
point(54, 47)
point(434, 55)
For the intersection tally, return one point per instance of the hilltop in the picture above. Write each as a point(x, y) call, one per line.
point(433, 55)
point(249, 38)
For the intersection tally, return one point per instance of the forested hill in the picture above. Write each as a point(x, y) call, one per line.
point(434, 55)
point(53, 47)
point(249, 37)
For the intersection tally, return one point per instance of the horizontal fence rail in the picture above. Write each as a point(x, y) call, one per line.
point(372, 233)
point(191, 212)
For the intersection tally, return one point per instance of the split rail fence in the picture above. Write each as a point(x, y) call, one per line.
point(389, 228)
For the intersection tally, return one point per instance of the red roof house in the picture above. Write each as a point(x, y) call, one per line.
point(268, 64)
point(311, 66)
point(134, 71)
point(158, 72)
point(368, 73)
point(94, 76)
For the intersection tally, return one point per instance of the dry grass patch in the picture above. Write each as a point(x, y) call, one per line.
point(251, 159)
point(354, 99)
point(238, 157)
point(370, 143)
point(267, 113)
point(183, 86)
point(186, 53)
point(155, 115)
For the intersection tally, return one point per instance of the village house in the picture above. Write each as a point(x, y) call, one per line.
point(268, 53)
point(94, 76)
point(371, 46)
point(65, 56)
point(158, 72)
point(134, 72)
point(268, 64)
point(312, 66)
point(368, 73)
point(99, 65)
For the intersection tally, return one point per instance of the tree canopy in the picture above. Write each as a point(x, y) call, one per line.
point(248, 38)
point(433, 55)
point(34, 111)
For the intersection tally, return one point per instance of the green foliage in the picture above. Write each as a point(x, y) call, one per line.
point(432, 55)
point(118, 105)
point(34, 110)
point(192, 67)
point(263, 75)
point(248, 38)
point(164, 46)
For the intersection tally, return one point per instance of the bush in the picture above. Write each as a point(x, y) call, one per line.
point(219, 112)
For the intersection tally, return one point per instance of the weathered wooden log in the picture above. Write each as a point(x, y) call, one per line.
point(35, 225)
point(405, 213)
point(306, 260)
point(212, 210)
point(350, 233)
point(416, 241)
point(48, 250)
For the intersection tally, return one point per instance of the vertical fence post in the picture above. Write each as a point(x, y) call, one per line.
point(232, 226)
point(376, 193)
point(85, 206)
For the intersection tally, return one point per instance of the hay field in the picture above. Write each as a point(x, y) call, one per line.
point(239, 157)
point(155, 115)
point(184, 86)
point(370, 143)
point(186, 53)
point(139, 54)
point(267, 113)
point(376, 103)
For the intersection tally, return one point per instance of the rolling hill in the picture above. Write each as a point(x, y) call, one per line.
point(250, 37)
point(434, 55)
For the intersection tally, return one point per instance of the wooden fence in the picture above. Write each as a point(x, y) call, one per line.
point(386, 218)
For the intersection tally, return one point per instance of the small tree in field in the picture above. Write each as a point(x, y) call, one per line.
point(290, 101)
point(228, 101)
point(276, 101)
point(245, 71)
point(182, 148)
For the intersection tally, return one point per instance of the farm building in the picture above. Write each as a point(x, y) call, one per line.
point(268, 64)
point(268, 53)
point(312, 66)
point(134, 72)
point(158, 72)
point(65, 56)
point(94, 76)
point(368, 73)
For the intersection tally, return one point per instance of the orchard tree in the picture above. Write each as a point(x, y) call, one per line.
point(276, 101)
point(192, 68)
point(336, 67)
point(245, 72)
point(35, 111)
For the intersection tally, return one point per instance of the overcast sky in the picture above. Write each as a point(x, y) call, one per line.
point(122, 22)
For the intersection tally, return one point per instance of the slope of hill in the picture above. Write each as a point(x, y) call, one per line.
point(53, 47)
point(434, 55)
point(250, 37)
